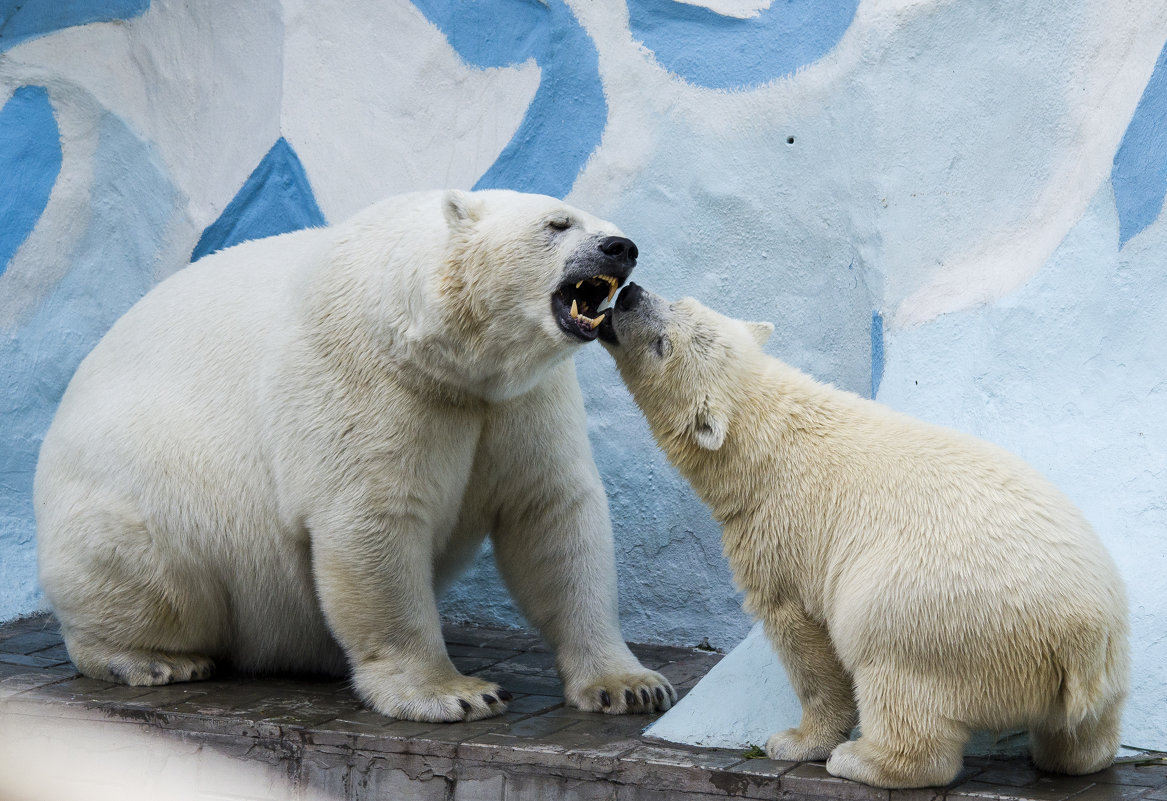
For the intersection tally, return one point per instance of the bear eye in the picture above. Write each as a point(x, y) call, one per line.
point(559, 224)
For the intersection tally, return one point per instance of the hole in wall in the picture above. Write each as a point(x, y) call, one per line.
point(790, 140)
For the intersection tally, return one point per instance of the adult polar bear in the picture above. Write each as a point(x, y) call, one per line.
point(296, 442)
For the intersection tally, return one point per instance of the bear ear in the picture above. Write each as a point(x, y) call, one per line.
point(461, 208)
point(760, 332)
point(709, 427)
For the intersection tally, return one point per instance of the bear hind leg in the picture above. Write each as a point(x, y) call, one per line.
point(128, 612)
point(906, 742)
point(135, 666)
point(1086, 748)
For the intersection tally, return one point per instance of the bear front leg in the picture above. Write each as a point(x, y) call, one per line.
point(379, 508)
point(553, 545)
point(822, 684)
point(374, 579)
point(559, 564)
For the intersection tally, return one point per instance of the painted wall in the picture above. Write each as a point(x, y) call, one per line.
point(953, 205)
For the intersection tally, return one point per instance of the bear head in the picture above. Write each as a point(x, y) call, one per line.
point(683, 363)
point(526, 277)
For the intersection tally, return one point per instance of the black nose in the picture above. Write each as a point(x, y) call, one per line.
point(630, 297)
point(620, 249)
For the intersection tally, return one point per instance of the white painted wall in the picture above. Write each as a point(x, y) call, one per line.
point(958, 169)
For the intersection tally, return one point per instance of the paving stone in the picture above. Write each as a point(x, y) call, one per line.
point(455, 649)
point(1145, 775)
point(598, 743)
point(765, 768)
point(1116, 792)
point(562, 710)
point(526, 684)
point(535, 727)
point(1012, 773)
point(30, 642)
point(754, 778)
point(920, 794)
point(988, 792)
point(684, 673)
point(964, 775)
point(31, 660)
point(678, 769)
point(535, 704)
point(657, 656)
point(469, 665)
point(16, 679)
point(810, 779)
point(40, 623)
point(532, 661)
point(510, 639)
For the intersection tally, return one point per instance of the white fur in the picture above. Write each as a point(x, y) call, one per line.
point(282, 454)
point(913, 579)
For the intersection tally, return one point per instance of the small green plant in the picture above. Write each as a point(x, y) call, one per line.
point(754, 752)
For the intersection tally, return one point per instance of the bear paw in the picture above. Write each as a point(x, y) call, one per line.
point(861, 761)
point(153, 668)
point(794, 745)
point(448, 699)
point(637, 692)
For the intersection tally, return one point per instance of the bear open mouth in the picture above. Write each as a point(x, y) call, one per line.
point(579, 306)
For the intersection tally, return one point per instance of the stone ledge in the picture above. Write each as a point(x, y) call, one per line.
point(62, 735)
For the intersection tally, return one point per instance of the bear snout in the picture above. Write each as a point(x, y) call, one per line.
point(630, 298)
point(620, 249)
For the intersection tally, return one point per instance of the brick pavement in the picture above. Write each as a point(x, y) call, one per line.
point(65, 736)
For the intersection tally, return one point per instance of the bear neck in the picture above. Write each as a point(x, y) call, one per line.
point(378, 328)
point(754, 482)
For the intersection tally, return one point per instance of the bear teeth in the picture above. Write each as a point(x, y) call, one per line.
point(613, 283)
point(575, 315)
point(580, 308)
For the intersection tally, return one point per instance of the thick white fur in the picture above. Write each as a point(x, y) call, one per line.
point(282, 454)
point(913, 579)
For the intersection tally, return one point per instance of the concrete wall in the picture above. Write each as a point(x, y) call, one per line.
point(953, 205)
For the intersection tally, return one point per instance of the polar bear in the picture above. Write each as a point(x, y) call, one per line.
point(912, 579)
point(281, 455)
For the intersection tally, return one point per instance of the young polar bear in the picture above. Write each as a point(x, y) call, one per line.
point(282, 454)
point(912, 578)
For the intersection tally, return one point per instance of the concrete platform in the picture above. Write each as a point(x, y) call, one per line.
point(63, 736)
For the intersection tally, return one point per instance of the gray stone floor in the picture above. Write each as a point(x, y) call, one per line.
point(64, 736)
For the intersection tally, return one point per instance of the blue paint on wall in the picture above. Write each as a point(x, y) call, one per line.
point(275, 199)
point(132, 203)
point(1139, 176)
point(30, 160)
point(28, 19)
point(566, 118)
point(876, 352)
point(719, 52)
